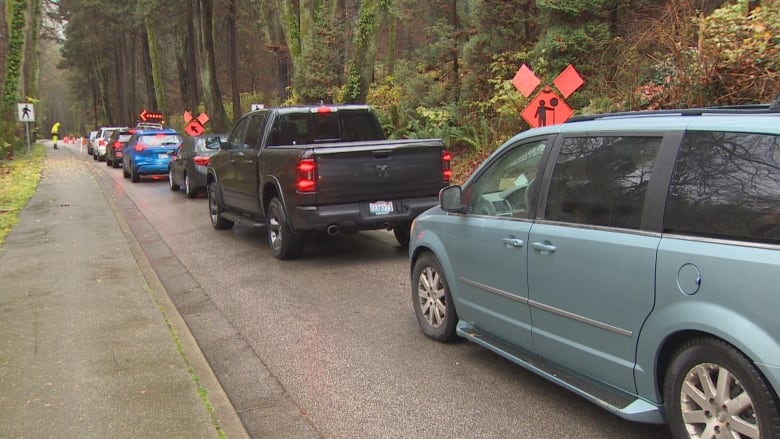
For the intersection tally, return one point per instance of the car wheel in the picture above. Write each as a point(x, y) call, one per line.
point(433, 304)
point(94, 156)
point(284, 242)
point(174, 186)
point(712, 390)
point(114, 164)
point(215, 209)
point(188, 189)
point(401, 233)
point(134, 177)
point(125, 172)
point(109, 162)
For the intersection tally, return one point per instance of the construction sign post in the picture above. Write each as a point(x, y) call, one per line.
point(548, 107)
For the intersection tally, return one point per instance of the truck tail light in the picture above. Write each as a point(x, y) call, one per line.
point(446, 172)
point(201, 160)
point(306, 180)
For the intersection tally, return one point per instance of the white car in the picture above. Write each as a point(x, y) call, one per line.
point(99, 147)
point(91, 141)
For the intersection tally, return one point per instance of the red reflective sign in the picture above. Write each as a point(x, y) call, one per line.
point(525, 81)
point(568, 81)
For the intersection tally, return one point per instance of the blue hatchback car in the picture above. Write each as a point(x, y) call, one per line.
point(631, 258)
point(149, 152)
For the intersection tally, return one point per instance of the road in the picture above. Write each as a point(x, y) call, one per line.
point(328, 346)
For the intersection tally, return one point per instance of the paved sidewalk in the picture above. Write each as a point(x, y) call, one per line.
point(88, 337)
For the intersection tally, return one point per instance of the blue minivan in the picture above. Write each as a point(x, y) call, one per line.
point(149, 152)
point(631, 258)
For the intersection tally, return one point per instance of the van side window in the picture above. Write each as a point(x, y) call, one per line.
point(602, 180)
point(726, 185)
point(507, 187)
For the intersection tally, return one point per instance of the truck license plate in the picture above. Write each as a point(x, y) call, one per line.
point(380, 208)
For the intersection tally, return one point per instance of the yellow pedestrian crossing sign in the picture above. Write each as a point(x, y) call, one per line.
point(26, 112)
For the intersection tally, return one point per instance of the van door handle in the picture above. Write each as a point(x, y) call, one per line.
point(512, 242)
point(544, 247)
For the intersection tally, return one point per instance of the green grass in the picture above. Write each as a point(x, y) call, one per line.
point(18, 180)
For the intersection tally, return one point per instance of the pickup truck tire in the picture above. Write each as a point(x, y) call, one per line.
point(283, 241)
point(401, 233)
point(215, 209)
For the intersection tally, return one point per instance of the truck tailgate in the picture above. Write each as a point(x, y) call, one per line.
point(379, 170)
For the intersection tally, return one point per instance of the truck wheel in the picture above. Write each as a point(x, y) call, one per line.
point(401, 233)
point(711, 389)
point(432, 301)
point(215, 209)
point(284, 243)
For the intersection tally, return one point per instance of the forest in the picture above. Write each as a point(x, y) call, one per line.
point(434, 68)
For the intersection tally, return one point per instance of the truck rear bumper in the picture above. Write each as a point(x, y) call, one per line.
point(358, 216)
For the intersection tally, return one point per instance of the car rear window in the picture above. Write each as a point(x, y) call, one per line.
point(161, 140)
point(726, 185)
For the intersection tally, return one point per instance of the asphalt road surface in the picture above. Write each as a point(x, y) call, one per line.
point(328, 346)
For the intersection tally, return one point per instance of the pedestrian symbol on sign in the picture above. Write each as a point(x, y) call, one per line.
point(26, 112)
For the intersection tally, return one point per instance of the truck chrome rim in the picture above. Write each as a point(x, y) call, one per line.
point(715, 404)
point(431, 297)
point(274, 232)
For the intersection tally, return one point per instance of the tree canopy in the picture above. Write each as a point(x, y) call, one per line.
point(439, 68)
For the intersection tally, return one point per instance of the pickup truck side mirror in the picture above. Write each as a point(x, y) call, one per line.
point(451, 199)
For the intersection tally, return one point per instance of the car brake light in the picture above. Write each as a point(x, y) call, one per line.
point(139, 147)
point(446, 157)
point(201, 160)
point(117, 146)
point(307, 176)
point(101, 142)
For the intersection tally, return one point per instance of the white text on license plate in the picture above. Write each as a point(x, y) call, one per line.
point(162, 156)
point(380, 208)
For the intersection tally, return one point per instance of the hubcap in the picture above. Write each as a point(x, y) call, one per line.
point(714, 404)
point(433, 302)
point(274, 231)
point(212, 206)
point(187, 184)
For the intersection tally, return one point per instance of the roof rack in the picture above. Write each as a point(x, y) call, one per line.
point(773, 107)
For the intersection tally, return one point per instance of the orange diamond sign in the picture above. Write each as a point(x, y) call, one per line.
point(547, 108)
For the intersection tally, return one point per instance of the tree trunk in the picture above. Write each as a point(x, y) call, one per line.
point(187, 64)
point(232, 12)
point(204, 28)
point(154, 57)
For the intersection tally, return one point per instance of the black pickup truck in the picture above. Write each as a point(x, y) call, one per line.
point(327, 168)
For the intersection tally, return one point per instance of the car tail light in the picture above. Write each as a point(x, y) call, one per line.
point(201, 160)
point(117, 146)
point(446, 157)
point(307, 175)
point(101, 142)
point(139, 147)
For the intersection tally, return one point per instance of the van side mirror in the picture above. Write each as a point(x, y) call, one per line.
point(451, 199)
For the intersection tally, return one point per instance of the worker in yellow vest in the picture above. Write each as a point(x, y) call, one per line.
point(55, 132)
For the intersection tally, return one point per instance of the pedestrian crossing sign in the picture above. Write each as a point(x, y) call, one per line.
point(26, 112)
